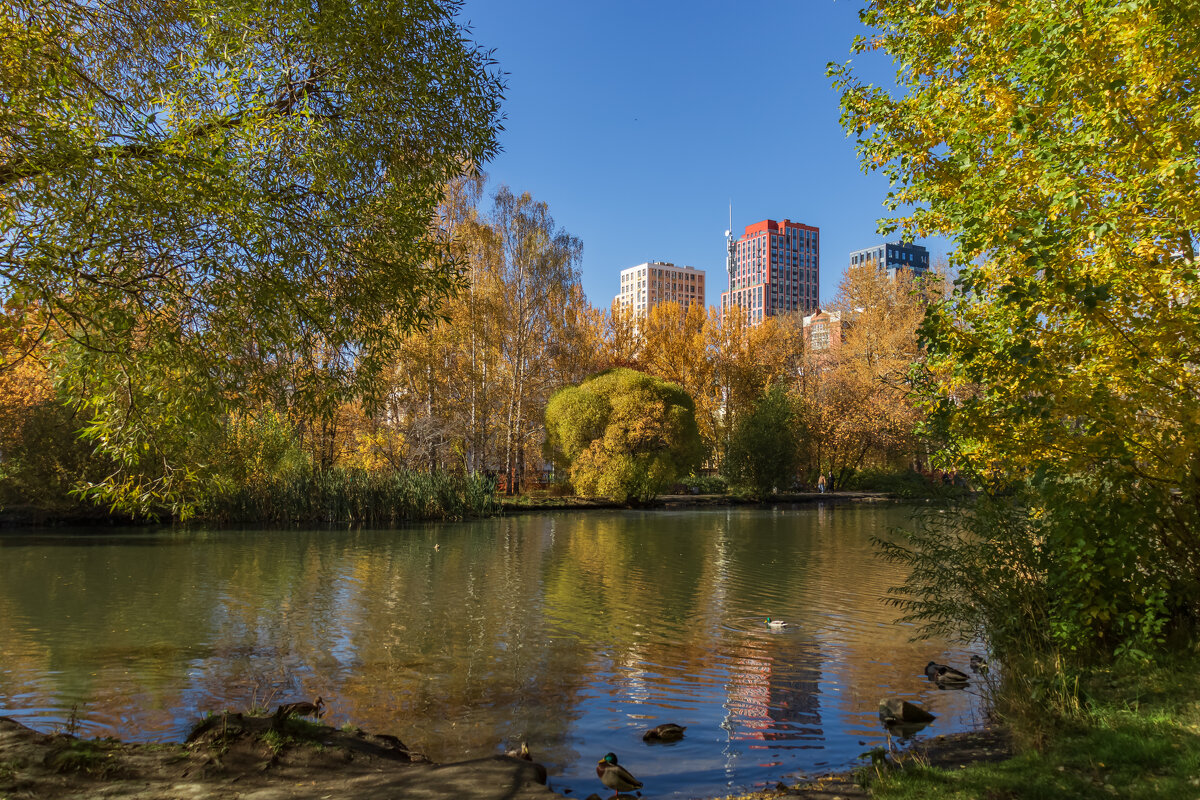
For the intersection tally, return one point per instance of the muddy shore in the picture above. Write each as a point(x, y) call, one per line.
point(242, 757)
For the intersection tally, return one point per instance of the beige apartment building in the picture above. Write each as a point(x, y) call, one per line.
point(654, 282)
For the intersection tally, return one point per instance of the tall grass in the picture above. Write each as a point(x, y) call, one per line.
point(356, 497)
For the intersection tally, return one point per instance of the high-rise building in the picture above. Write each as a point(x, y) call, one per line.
point(647, 285)
point(894, 256)
point(774, 268)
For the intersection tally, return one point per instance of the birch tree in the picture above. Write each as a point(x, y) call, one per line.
point(536, 274)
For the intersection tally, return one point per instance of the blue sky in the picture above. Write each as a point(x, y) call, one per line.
point(639, 122)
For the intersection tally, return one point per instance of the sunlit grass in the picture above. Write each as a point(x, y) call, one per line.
point(1136, 734)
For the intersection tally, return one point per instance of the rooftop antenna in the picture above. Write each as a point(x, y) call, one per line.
point(729, 244)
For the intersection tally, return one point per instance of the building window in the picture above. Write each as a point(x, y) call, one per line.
point(819, 336)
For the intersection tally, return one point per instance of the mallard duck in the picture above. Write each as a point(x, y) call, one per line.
point(943, 675)
point(614, 776)
point(522, 753)
point(302, 708)
point(895, 710)
point(667, 732)
point(776, 623)
point(978, 664)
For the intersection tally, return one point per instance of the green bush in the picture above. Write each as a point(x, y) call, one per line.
point(974, 572)
point(43, 462)
point(623, 434)
point(705, 484)
point(1069, 567)
point(901, 483)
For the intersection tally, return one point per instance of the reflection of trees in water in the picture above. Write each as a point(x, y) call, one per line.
point(111, 620)
point(464, 642)
point(871, 655)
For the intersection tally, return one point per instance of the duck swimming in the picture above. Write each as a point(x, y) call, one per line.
point(667, 732)
point(944, 675)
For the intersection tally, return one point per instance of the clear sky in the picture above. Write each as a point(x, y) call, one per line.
point(639, 122)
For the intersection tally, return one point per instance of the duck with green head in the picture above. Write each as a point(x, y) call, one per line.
point(614, 776)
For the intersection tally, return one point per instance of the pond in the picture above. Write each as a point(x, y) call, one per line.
point(571, 631)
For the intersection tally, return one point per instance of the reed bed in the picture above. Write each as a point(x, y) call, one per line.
point(356, 497)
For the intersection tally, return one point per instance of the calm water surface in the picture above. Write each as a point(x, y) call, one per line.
point(574, 632)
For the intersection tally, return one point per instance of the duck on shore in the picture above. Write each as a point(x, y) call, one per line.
point(521, 753)
point(614, 776)
point(302, 708)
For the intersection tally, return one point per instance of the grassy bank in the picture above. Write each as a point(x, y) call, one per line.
point(1132, 732)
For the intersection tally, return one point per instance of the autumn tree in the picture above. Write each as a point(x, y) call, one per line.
point(40, 457)
point(536, 277)
point(674, 348)
point(875, 424)
point(195, 193)
point(1056, 143)
point(623, 434)
point(470, 393)
point(621, 337)
point(746, 360)
point(764, 446)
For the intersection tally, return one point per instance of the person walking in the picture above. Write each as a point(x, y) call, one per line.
point(821, 483)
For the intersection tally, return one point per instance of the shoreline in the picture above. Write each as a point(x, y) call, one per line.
point(950, 752)
point(233, 755)
point(672, 502)
point(23, 519)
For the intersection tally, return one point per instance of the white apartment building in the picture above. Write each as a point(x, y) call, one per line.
point(654, 282)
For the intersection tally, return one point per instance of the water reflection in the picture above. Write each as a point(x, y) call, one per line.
point(575, 632)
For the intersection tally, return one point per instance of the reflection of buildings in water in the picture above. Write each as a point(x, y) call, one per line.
point(775, 697)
